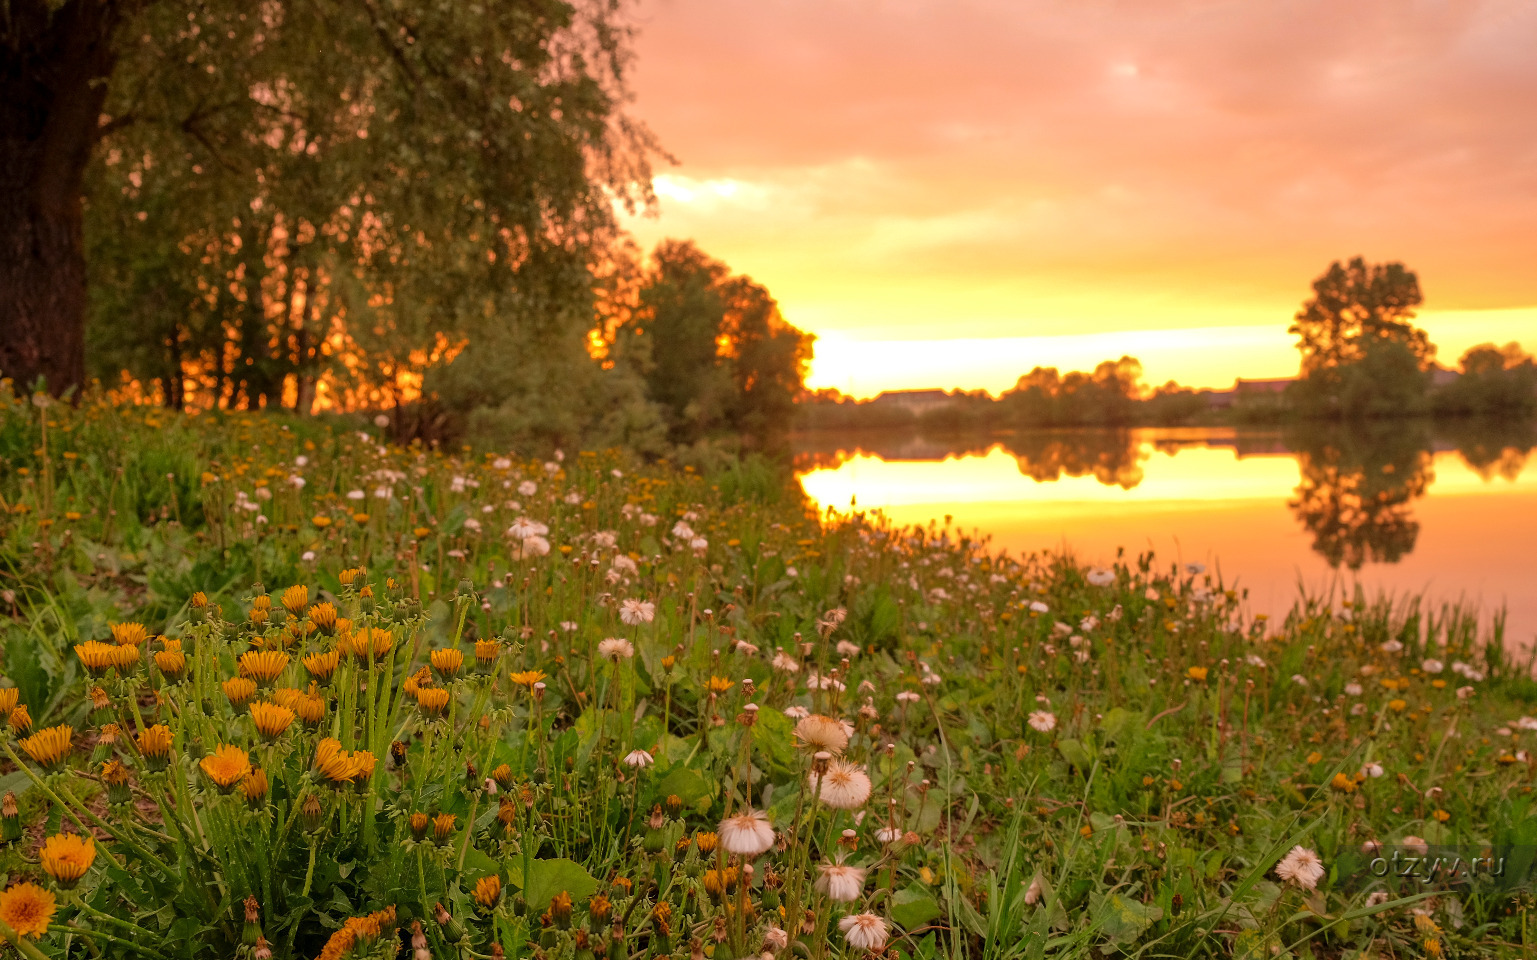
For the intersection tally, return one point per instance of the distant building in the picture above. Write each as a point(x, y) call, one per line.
point(1441, 376)
point(1222, 399)
point(917, 401)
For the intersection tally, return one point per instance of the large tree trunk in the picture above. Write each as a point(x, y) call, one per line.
point(54, 67)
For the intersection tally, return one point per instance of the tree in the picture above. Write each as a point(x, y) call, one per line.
point(715, 352)
point(1361, 355)
point(295, 197)
point(1495, 382)
point(1358, 488)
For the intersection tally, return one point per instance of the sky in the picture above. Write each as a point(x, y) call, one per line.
point(950, 192)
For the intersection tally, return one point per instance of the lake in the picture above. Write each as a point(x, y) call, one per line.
point(1449, 511)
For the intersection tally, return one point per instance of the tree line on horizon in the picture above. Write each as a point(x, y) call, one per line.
point(1362, 358)
point(406, 208)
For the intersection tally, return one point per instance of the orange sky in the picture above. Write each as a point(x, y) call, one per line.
point(948, 192)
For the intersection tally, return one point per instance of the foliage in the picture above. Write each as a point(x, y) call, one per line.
point(1060, 761)
point(1495, 382)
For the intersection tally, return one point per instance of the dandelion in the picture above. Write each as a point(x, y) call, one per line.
point(96, 657)
point(9, 698)
point(443, 826)
point(634, 612)
point(295, 599)
point(527, 678)
point(1100, 577)
point(155, 742)
point(271, 719)
point(1197, 673)
point(845, 786)
point(323, 616)
point(49, 747)
point(432, 700)
point(1353, 689)
point(1373, 770)
point(171, 663)
point(747, 834)
point(239, 690)
point(488, 891)
point(1042, 721)
point(27, 908)
point(840, 882)
point(129, 634)
point(447, 662)
point(66, 857)
point(1302, 867)
point(784, 663)
point(322, 664)
point(864, 931)
point(226, 766)
point(639, 759)
point(1432, 666)
point(255, 787)
point(263, 666)
point(817, 732)
point(1390, 646)
point(616, 649)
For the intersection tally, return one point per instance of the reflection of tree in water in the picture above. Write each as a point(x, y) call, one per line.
point(1113, 457)
point(1359, 484)
point(1492, 447)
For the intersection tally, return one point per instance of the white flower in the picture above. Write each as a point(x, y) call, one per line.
point(533, 547)
point(1415, 845)
point(639, 758)
point(1390, 646)
point(699, 545)
point(1151, 593)
point(501, 463)
point(888, 834)
point(633, 612)
point(573, 498)
point(1353, 689)
point(1464, 693)
point(528, 488)
point(847, 648)
point(381, 421)
point(1042, 721)
point(297, 481)
point(746, 834)
point(846, 786)
point(524, 528)
point(624, 564)
point(908, 696)
point(616, 473)
point(839, 882)
point(1099, 577)
point(792, 572)
point(1302, 867)
point(797, 712)
point(1038, 607)
point(616, 648)
point(1299, 680)
point(568, 625)
point(784, 663)
point(301, 461)
point(864, 931)
point(774, 937)
point(308, 556)
point(682, 531)
point(1526, 723)
point(472, 525)
point(1432, 666)
point(1373, 770)
point(1255, 660)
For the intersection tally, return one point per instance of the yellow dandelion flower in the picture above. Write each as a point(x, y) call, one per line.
point(129, 634)
point(1442, 816)
point(9, 698)
point(271, 719)
point(155, 742)
point(199, 601)
point(171, 663)
point(486, 652)
point(322, 664)
point(263, 666)
point(419, 824)
point(416, 681)
point(706, 842)
point(323, 616)
point(99, 699)
point(66, 857)
point(226, 766)
point(320, 521)
point(447, 662)
point(443, 826)
point(1197, 674)
point(1398, 706)
point(48, 747)
point(432, 700)
point(310, 707)
point(349, 575)
point(27, 908)
point(96, 657)
point(488, 891)
point(527, 678)
point(255, 787)
point(239, 690)
point(261, 602)
point(295, 599)
point(125, 658)
point(1343, 783)
point(720, 684)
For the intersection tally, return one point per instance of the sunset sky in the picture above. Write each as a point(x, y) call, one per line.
point(949, 192)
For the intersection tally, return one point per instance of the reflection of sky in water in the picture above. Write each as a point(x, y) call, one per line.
point(1197, 503)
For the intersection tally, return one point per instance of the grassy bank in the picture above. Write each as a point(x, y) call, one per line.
point(590, 707)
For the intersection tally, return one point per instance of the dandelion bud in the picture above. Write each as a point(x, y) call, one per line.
point(254, 786)
point(263, 950)
point(398, 754)
point(453, 930)
point(311, 813)
point(443, 828)
point(115, 776)
point(253, 925)
point(471, 776)
point(10, 819)
point(560, 910)
point(418, 823)
point(674, 804)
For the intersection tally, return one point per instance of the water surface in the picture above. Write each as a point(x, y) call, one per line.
point(1449, 511)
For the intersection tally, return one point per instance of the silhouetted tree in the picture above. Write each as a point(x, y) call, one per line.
point(1359, 484)
point(1495, 382)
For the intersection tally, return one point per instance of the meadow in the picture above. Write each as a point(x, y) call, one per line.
point(277, 688)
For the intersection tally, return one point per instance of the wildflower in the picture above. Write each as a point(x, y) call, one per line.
point(171, 663)
point(1398, 705)
point(616, 649)
point(488, 891)
point(817, 732)
point(323, 616)
point(1463, 693)
point(1042, 721)
point(447, 662)
point(1432, 666)
point(255, 787)
point(27, 908)
point(840, 882)
point(634, 612)
point(432, 700)
point(1343, 783)
point(1100, 577)
point(639, 758)
point(9, 697)
point(1390, 646)
point(263, 666)
point(845, 786)
point(443, 827)
point(908, 696)
point(1302, 867)
point(864, 931)
point(1415, 845)
point(66, 857)
point(239, 690)
point(19, 719)
point(129, 634)
point(486, 652)
point(49, 747)
point(226, 766)
point(1373, 770)
point(775, 938)
point(295, 599)
point(271, 719)
point(155, 742)
point(1197, 673)
point(527, 678)
point(746, 834)
point(322, 664)
point(1353, 689)
point(96, 657)
point(1034, 891)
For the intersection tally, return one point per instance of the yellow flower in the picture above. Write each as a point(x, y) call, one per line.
point(171, 663)
point(96, 657)
point(347, 576)
point(226, 766)
point(339, 766)
point(720, 684)
point(295, 599)
point(1397, 705)
point(1442, 816)
point(447, 662)
point(322, 664)
point(156, 741)
point(9, 697)
point(432, 700)
point(310, 707)
point(48, 747)
point(1343, 783)
point(443, 826)
point(488, 890)
point(486, 651)
point(255, 787)
point(271, 719)
point(27, 908)
point(239, 690)
point(263, 666)
point(66, 857)
point(528, 678)
point(320, 521)
point(199, 600)
point(371, 641)
point(129, 634)
point(1314, 757)
point(125, 658)
point(323, 616)
point(1197, 673)
point(421, 532)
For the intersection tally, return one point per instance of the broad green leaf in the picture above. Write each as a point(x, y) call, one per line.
point(546, 878)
